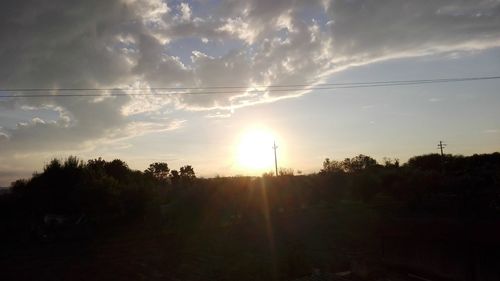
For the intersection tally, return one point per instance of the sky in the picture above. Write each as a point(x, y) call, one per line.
point(131, 45)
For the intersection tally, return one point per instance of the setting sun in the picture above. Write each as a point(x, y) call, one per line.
point(255, 150)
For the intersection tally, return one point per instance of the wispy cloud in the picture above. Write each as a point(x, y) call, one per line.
point(131, 44)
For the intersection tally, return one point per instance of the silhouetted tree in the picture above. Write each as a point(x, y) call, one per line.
point(331, 166)
point(268, 174)
point(469, 185)
point(175, 177)
point(97, 165)
point(432, 162)
point(391, 163)
point(19, 185)
point(286, 172)
point(187, 174)
point(159, 170)
point(358, 163)
point(117, 169)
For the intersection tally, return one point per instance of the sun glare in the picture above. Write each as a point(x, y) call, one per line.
point(255, 152)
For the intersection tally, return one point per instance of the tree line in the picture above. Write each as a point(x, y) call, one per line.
point(456, 185)
point(96, 187)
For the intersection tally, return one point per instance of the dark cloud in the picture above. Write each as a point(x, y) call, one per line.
point(67, 44)
point(123, 43)
point(373, 29)
point(60, 44)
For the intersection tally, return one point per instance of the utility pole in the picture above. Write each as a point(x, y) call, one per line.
point(275, 158)
point(441, 146)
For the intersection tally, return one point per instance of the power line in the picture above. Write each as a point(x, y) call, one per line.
point(237, 89)
point(443, 80)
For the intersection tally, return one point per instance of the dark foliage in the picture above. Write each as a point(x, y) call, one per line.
point(158, 170)
point(461, 185)
point(345, 201)
point(100, 189)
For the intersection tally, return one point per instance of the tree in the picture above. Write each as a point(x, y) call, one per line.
point(268, 174)
point(175, 177)
point(117, 169)
point(187, 173)
point(158, 170)
point(331, 166)
point(391, 163)
point(97, 165)
point(286, 172)
point(358, 163)
point(431, 162)
point(54, 165)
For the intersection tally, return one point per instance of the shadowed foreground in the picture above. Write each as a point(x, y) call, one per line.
point(355, 220)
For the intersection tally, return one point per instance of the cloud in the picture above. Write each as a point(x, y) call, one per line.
point(78, 45)
point(117, 43)
point(185, 11)
point(388, 28)
point(294, 42)
point(3, 136)
point(129, 43)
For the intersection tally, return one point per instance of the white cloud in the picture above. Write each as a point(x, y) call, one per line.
point(141, 43)
point(239, 28)
point(185, 11)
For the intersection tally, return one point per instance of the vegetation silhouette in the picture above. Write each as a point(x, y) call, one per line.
point(355, 205)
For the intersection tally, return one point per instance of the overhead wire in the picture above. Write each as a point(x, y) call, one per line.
point(216, 90)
